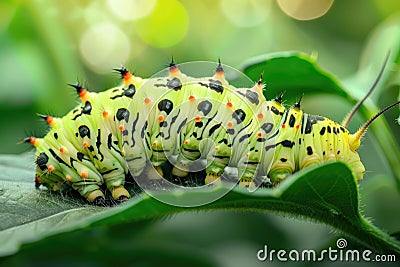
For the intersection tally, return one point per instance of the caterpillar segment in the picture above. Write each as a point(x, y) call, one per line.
point(305, 140)
point(146, 143)
point(200, 135)
point(238, 114)
point(195, 124)
point(241, 125)
point(256, 162)
point(83, 150)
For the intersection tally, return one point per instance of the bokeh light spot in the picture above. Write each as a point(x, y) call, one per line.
point(104, 45)
point(248, 13)
point(131, 9)
point(305, 9)
point(165, 26)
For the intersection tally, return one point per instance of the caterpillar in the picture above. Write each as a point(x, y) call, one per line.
point(192, 123)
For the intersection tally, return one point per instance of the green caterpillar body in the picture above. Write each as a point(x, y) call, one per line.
point(194, 123)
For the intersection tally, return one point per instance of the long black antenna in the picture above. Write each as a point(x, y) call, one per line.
point(350, 115)
point(356, 137)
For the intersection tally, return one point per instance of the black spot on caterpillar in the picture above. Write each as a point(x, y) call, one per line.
point(146, 123)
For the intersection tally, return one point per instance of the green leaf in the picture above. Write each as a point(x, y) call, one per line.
point(327, 194)
point(293, 72)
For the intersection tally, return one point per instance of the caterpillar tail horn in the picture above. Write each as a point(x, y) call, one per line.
point(355, 139)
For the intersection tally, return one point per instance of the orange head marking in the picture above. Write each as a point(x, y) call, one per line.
point(147, 100)
point(51, 168)
point(297, 126)
point(247, 155)
point(121, 127)
point(259, 86)
point(229, 105)
point(79, 89)
point(219, 70)
point(161, 118)
point(216, 148)
point(155, 143)
point(122, 152)
point(127, 76)
point(62, 149)
point(260, 116)
point(191, 98)
point(173, 69)
point(186, 142)
point(84, 174)
point(230, 124)
point(105, 114)
point(197, 119)
point(68, 177)
point(82, 94)
point(283, 126)
point(48, 119)
point(32, 140)
point(259, 134)
point(219, 73)
point(38, 182)
point(85, 144)
point(125, 73)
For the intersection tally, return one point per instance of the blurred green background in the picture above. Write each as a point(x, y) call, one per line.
point(46, 44)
